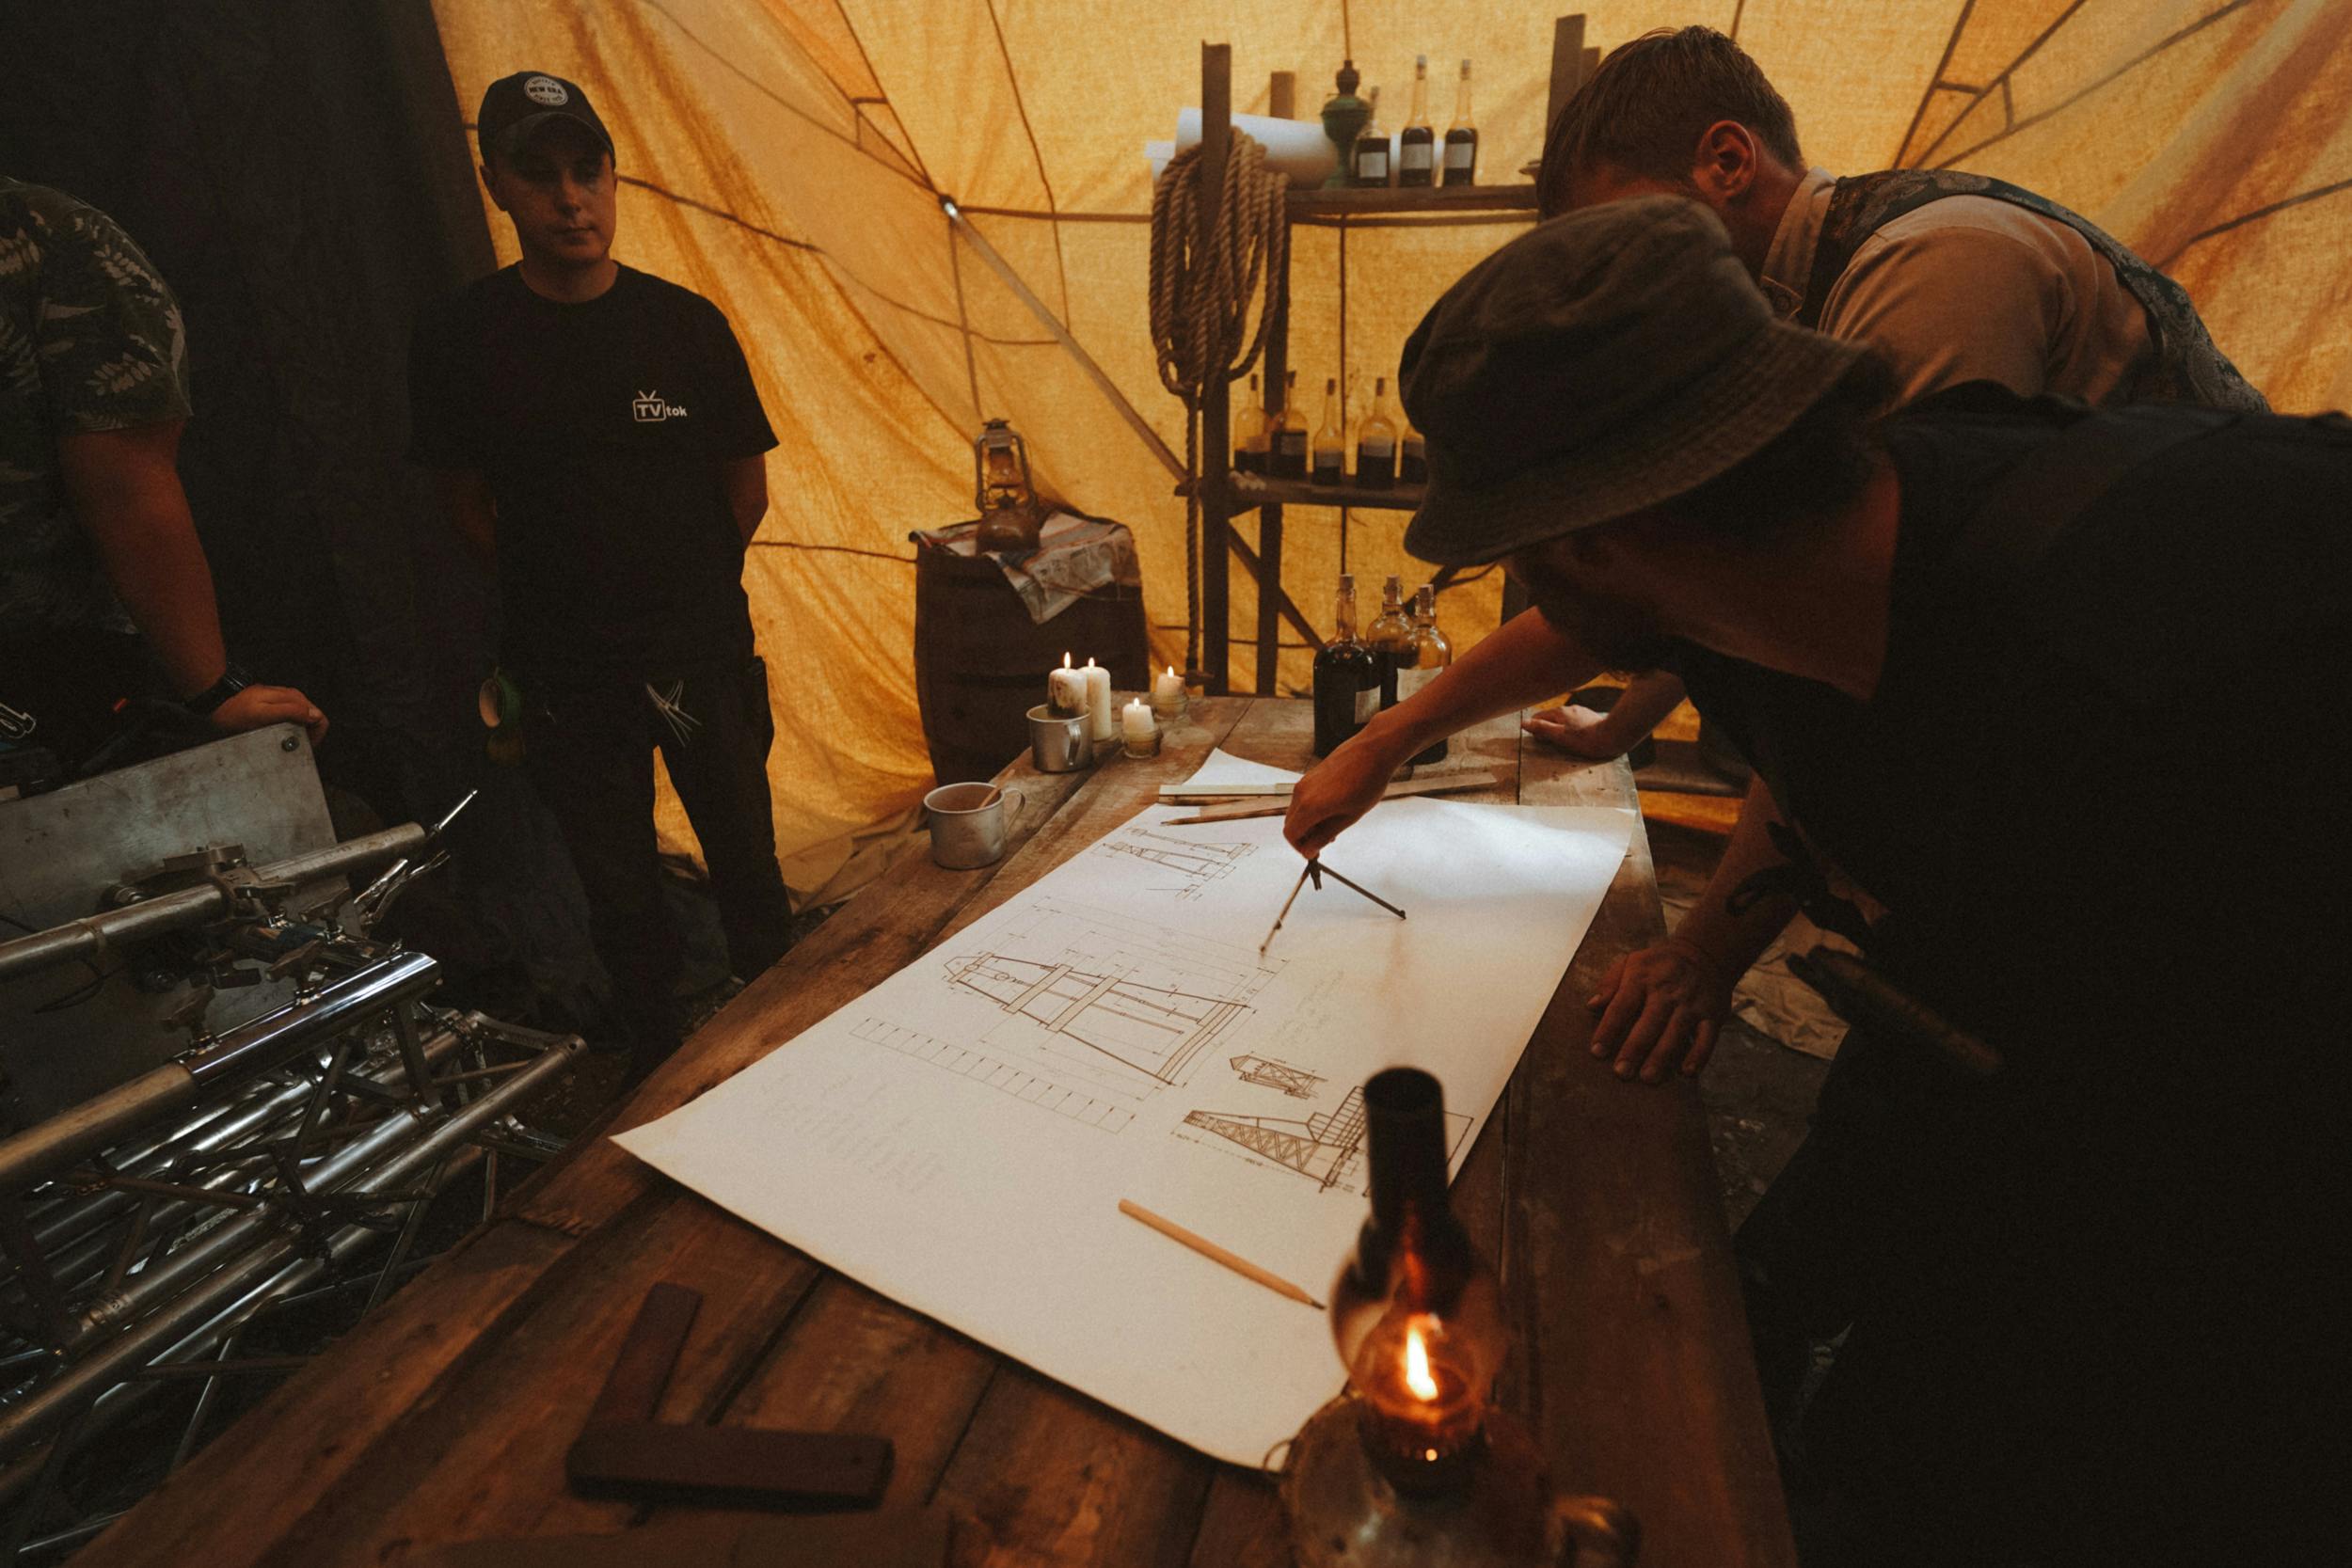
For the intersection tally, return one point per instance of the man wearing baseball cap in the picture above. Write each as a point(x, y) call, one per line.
point(2082, 1306)
point(599, 443)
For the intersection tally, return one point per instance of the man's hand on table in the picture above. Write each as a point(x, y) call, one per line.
point(1580, 731)
point(1338, 790)
point(1660, 1004)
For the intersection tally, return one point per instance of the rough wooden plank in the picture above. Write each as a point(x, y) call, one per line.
point(322, 1421)
point(1622, 1293)
point(1241, 1525)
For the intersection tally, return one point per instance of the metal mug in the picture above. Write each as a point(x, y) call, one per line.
point(1059, 742)
point(968, 824)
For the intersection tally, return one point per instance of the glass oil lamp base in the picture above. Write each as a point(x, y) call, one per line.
point(1489, 1505)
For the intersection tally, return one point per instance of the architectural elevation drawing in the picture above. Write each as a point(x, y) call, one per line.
point(1080, 1105)
point(1179, 867)
point(1325, 1148)
point(1118, 1004)
point(1266, 1072)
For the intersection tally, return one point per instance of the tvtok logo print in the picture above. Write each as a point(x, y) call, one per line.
point(651, 408)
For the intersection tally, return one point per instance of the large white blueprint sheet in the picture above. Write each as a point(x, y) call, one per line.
point(959, 1138)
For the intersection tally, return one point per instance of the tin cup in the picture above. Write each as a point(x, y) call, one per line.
point(968, 824)
point(1059, 742)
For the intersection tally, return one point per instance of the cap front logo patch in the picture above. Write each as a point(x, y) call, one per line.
point(546, 91)
point(651, 408)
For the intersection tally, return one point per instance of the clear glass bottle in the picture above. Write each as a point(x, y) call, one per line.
point(1250, 440)
point(1368, 159)
point(1287, 458)
point(1346, 685)
point(1330, 448)
point(1416, 146)
point(1431, 653)
point(1375, 443)
point(1461, 137)
point(1390, 639)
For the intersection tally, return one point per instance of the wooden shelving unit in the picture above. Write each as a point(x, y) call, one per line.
point(1225, 493)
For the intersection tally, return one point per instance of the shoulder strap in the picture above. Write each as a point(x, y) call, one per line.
point(2047, 494)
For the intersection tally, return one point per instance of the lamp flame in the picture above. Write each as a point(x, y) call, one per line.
point(1417, 1375)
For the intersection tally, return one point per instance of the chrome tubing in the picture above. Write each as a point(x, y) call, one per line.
point(91, 935)
point(251, 1048)
point(43, 1411)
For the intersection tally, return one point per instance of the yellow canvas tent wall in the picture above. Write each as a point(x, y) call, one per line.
point(787, 158)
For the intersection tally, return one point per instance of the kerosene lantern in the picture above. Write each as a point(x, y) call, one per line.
point(1411, 1465)
point(1009, 517)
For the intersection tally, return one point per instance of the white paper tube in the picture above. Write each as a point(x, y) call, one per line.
point(1296, 148)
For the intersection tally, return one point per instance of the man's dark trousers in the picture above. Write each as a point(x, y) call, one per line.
point(590, 754)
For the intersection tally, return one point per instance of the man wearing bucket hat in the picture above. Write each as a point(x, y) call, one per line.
point(599, 444)
point(2076, 1302)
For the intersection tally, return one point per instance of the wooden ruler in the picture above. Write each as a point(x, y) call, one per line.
point(1231, 811)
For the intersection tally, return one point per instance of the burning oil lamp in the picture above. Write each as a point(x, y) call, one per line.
point(1009, 517)
point(1412, 1464)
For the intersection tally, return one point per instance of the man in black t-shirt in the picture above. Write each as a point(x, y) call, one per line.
point(599, 443)
point(2095, 1311)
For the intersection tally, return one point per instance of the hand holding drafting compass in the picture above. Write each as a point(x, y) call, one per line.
point(1316, 869)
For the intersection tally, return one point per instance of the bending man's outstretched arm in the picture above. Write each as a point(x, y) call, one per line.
point(1526, 661)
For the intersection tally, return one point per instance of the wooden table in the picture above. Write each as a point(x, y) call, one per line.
point(445, 1416)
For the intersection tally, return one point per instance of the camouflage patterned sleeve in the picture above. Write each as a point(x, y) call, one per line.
point(111, 348)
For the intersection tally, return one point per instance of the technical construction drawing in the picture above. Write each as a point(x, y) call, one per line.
point(1127, 1005)
point(1296, 1081)
point(1192, 867)
point(1327, 1147)
point(1005, 1077)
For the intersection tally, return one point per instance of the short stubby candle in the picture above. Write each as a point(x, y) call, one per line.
point(1167, 693)
point(1066, 690)
point(1139, 729)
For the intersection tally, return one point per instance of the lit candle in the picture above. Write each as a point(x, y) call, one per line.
point(1066, 688)
point(1168, 694)
point(1103, 725)
point(1139, 729)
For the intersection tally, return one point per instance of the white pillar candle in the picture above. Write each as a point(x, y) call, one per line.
point(1167, 693)
point(1136, 724)
point(1066, 688)
point(1102, 724)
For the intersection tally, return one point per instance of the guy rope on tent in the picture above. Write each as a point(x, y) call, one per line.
point(1200, 305)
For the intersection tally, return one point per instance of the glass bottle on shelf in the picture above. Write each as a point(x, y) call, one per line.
point(1330, 449)
point(1431, 653)
point(1390, 639)
point(1412, 456)
point(1375, 444)
point(1288, 454)
point(1416, 147)
point(1346, 686)
point(1461, 137)
point(1249, 434)
point(1368, 160)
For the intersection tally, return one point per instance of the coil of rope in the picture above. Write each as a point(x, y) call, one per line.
point(1200, 298)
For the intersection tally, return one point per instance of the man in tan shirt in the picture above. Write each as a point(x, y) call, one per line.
point(1953, 278)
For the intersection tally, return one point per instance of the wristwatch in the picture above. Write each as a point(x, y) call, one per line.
point(232, 680)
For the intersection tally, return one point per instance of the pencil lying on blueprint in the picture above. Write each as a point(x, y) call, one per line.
point(1216, 1253)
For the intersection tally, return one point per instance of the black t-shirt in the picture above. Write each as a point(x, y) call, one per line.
point(603, 430)
point(2076, 791)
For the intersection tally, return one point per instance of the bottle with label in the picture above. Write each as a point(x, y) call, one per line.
point(1412, 456)
point(1390, 639)
point(1288, 454)
point(1330, 449)
point(1368, 160)
point(1249, 434)
point(1375, 444)
point(1348, 688)
point(1416, 148)
point(1461, 138)
point(1431, 653)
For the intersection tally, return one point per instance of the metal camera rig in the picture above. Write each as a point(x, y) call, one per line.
point(219, 1092)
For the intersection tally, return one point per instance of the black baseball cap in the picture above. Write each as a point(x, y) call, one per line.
point(1599, 364)
point(513, 107)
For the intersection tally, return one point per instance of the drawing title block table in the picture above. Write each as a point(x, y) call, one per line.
point(446, 1416)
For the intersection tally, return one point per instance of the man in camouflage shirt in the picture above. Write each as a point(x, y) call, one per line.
point(104, 591)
